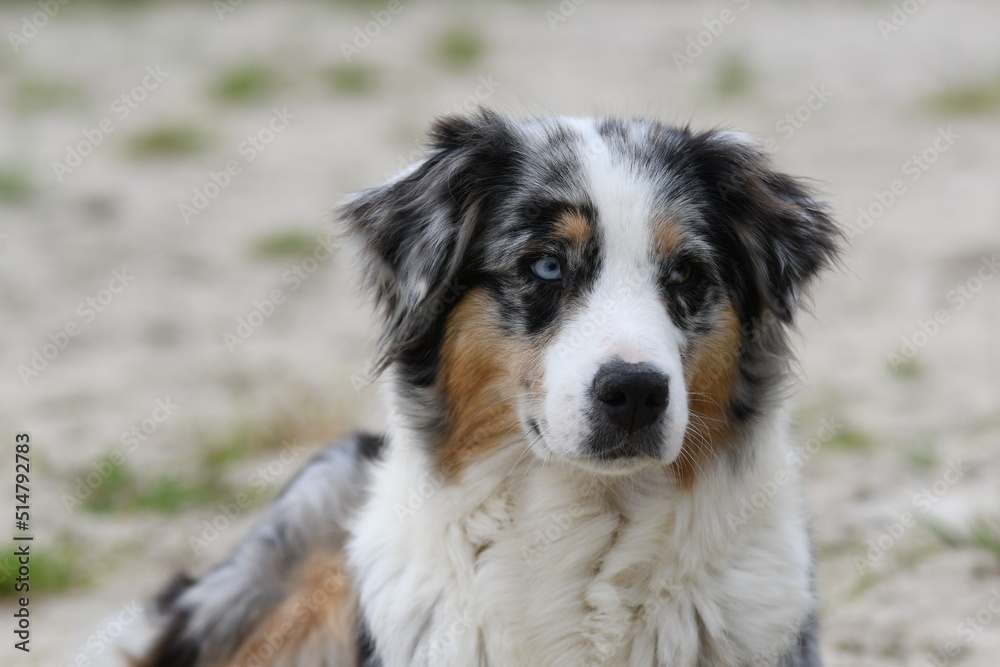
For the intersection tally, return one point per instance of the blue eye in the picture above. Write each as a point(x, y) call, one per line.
point(547, 268)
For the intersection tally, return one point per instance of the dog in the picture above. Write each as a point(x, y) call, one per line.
point(585, 330)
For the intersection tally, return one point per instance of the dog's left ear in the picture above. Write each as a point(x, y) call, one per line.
point(782, 234)
point(415, 230)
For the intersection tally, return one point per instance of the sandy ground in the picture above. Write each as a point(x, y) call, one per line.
point(880, 443)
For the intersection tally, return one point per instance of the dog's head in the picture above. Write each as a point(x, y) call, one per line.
point(614, 292)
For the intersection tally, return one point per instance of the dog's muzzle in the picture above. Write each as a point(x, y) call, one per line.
point(629, 402)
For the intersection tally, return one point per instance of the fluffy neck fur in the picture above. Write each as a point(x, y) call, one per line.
point(520, 562)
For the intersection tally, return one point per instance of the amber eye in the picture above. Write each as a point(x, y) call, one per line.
point(681, 274)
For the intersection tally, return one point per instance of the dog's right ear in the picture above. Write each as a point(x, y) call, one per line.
point(414, 230)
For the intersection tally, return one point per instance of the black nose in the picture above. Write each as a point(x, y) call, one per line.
point(630, 395)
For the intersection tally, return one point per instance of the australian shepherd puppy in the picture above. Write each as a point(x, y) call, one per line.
point(584, 337)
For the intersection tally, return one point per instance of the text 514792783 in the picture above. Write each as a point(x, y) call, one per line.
point(22, 540)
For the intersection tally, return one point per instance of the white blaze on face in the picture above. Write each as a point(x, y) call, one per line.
point(622, 317)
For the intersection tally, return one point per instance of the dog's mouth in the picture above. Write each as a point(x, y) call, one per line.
point(603, 453)
point(535, 429)
point(603, 445)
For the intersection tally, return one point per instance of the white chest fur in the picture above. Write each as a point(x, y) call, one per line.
point(530, 564)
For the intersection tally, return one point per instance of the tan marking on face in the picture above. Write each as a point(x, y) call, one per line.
point(319, 613)
point(667, 237)
point(574, 227)
point(711, 373)
point(480, 377)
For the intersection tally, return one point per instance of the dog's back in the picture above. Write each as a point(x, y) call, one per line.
point(284, 596)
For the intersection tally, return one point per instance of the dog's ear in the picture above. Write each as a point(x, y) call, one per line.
point(781, 234)
point(415, 230)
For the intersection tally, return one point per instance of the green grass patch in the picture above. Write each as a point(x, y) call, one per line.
point(122, 491)
point(208, 482)
point(354, 79)
point(53, 569)
point(849, 439)
point(293, 244)
point(460, 47)
point(865, 581)
point(923, 455)
point(167, 141)
point(252, 437)
point(982, 533)
point(174, 493)
point(734, 76)
point(947, 536)
point(246, 83)
point(15, 187)
point(907, 368)
point(985, 534)
point(107, 496)
point(257, 435)
point(967, 98)
point(38, 93)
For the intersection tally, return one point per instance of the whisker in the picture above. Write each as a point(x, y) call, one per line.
point(526, 451)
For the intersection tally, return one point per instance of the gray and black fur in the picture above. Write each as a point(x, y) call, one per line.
point(205, 621)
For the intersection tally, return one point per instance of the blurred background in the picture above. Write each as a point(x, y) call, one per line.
point(180, 331)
